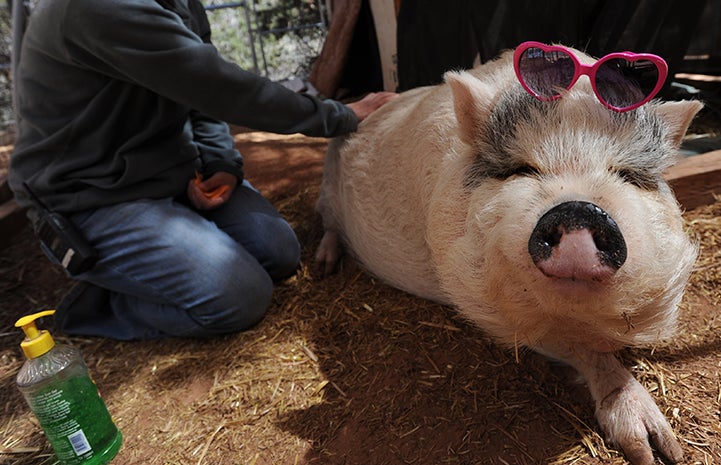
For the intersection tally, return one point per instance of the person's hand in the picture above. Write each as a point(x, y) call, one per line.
point(368, 104)
point(212, 192)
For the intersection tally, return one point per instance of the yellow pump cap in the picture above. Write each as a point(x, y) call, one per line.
point(36, 342)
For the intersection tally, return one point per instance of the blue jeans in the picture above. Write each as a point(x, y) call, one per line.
point(169, 270)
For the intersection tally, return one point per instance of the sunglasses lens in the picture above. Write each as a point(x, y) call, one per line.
point(622, 83)
point(546, 73)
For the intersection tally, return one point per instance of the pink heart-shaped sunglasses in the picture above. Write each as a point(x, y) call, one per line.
point(621, 81)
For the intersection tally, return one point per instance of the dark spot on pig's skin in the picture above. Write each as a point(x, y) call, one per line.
point(496, 158)
point(647, 153)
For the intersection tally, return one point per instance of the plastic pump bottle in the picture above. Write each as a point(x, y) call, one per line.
point(57, 386)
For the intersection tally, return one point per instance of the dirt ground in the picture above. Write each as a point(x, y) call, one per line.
point(346, 370)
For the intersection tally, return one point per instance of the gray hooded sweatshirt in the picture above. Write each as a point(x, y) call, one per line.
point(119, 100)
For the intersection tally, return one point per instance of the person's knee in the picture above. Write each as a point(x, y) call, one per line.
point(237, 308)
point(282, 255)
point(287, 258)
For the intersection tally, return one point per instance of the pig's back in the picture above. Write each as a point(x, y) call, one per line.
point(382, 184)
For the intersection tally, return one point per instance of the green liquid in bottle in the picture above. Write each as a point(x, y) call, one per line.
point(76, 422)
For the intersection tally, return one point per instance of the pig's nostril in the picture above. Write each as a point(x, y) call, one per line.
point(611, 247)
point(554, 238)
point(572, 216)
point(542, 243)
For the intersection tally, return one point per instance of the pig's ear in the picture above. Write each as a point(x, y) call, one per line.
point(678, 116)
point(472, 100)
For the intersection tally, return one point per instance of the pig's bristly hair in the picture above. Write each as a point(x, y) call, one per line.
point(652, 151)
point(640, 158)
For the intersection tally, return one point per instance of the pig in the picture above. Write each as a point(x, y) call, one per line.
point(547, 224)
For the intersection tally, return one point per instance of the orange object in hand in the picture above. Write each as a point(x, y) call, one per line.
point(215, 193)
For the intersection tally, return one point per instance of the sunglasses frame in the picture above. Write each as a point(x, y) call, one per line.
point(590, 70)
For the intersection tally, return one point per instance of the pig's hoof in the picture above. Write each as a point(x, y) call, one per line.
point(633, 422)
point(328, 253)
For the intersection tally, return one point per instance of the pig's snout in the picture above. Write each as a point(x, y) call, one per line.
point(579, 241)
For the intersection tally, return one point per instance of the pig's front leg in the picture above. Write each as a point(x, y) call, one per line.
point(328, 252)
point(625, 410)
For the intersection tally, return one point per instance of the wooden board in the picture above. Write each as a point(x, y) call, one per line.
point(696, 180)
point(384, 20)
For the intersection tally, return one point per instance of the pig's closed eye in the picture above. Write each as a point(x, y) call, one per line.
point(637, 178)
point(502, 172)
point(523, 170)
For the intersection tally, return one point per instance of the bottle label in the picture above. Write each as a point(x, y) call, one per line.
point(79, 443)
point(74, 418)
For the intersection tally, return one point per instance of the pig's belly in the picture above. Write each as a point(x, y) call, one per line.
point(383, 220)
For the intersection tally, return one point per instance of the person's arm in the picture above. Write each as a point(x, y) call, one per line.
point(222, 164)
point(142, 42)
point(216, 146)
